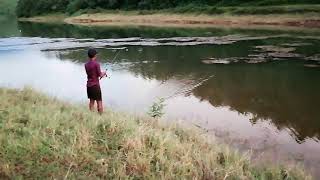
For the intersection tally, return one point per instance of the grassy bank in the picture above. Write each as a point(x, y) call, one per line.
point(42, 137)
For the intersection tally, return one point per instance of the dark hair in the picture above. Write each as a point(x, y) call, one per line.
point(92, 53)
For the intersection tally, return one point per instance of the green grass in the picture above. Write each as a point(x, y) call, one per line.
point(42, 137)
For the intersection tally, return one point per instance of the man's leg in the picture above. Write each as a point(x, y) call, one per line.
point(100, 107)
point(91, 105)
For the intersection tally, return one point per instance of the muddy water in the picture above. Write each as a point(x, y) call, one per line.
point(257, 90)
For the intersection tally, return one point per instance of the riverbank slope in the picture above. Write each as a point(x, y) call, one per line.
point(43, 137)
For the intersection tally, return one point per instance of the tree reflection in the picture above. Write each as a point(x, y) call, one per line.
point(284, 93)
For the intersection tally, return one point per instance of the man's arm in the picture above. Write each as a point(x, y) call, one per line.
point(99, 72)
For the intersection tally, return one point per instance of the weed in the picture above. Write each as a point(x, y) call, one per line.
point(156, 109)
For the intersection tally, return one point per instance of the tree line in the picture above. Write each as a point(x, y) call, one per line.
point(7, 7)
point(27, 8)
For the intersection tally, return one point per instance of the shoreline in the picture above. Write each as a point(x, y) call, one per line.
point(50, 138)
point(304, 21)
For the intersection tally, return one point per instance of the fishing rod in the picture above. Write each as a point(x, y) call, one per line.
point(114, 58)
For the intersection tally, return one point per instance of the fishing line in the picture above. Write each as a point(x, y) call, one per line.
point(187, 89)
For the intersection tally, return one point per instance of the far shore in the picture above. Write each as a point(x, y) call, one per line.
point(306, 21)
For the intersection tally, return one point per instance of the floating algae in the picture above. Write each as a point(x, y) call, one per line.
point(312, 61)
point(283, 55)
point(256, 60)
point(315, 57)
point(312, 65)
point(265, 53)
point(218, 61)
point(276, 52)
point(270, 48)
point(251, 59)
point(296, 44)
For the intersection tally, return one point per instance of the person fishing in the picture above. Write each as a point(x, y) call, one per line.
point(94, 73)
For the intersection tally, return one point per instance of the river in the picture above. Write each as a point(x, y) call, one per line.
point(256, 90)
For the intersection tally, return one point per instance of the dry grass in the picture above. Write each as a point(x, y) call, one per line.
point(307, 20)
point(44, 138)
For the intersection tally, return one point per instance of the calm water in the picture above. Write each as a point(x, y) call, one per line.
point(271, 107)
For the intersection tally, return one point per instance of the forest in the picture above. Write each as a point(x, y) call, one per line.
point(27, 8)
point(7, 7)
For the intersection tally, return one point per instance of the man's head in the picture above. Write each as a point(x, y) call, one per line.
point(92, 53)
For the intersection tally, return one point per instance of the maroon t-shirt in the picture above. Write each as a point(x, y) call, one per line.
point(93, 73)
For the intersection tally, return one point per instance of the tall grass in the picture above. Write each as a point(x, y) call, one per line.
point(43, 138)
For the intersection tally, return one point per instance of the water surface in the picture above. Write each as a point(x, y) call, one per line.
point(257, 90)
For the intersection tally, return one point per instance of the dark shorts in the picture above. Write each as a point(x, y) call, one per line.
point(94, 93)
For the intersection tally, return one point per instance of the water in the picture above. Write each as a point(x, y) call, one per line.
point(256, 90)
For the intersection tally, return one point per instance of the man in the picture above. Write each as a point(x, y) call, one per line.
point(94, 73)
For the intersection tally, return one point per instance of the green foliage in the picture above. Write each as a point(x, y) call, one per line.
point(7, 7)
point(156, 110)
point(28, 8)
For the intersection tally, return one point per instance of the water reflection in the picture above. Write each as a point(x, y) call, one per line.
point(265, 108)
point(67, 31)
point(9, 27)
point(283, 92)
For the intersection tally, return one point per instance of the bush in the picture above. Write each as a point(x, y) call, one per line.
point(27, 8)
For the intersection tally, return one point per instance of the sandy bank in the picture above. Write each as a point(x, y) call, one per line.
point(306, 21)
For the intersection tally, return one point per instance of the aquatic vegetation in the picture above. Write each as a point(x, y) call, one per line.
point(251, 59)
point(312, 65)
point(42, 137)
point(216, 61)
point(263, 54)
point(271, 48)
point(315, 57)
